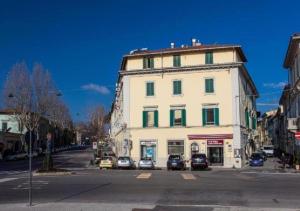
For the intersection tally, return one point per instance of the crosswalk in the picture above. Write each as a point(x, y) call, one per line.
point(185, 176)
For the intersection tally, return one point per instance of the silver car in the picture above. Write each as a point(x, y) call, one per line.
point(146, 163)
point(126, 162)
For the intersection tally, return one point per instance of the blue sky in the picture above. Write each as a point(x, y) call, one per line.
point(82, 42)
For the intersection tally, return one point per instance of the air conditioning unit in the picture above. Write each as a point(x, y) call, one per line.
point(292, 124)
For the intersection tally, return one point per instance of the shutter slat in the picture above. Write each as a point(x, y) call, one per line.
point(171, 118)
point(216, 116)
point(203, 116)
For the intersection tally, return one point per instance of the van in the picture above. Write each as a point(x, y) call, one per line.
point(269, 150)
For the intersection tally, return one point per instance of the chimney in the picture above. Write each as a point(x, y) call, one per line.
point(194, 42)
point(172, 45)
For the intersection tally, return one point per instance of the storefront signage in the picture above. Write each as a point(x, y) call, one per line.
point(215, 142)
point(297, 136)
point(148, 143)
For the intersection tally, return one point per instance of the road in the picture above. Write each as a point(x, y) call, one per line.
point(67, 159)
point(154, 190)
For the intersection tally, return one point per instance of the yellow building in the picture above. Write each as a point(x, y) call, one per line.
point(185, 100)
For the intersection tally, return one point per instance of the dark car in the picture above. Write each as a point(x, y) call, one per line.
point(176, 162)
point(199, 161)
point(256, 159)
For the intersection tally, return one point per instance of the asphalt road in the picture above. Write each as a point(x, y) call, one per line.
point(66, 159)
point(157, 190)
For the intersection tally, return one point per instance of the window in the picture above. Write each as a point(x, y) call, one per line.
point(210, 116)
point(150, 89)
point(4, 126)
point(209, 85)
point(176, 61)
point(177, 87)
point(209, 58)
point(176, 147)
point(150, 118)
point(177, 117)
point(148, 62)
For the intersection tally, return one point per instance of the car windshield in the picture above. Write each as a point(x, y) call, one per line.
point(256, 156)
point(124, 158)
point(107, 158)
point(199, 156)
point(174, 157)
point(146, 158)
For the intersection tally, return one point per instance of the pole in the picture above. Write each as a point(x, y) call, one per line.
point(30, 172)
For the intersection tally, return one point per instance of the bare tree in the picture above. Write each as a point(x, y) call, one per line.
point(97, 122)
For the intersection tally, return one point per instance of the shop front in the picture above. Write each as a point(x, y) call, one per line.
point(215, 152)
point(148, 149)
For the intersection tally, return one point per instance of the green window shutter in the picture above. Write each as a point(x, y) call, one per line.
point(203, 116)
point(254, 123)
point(156, 118)
point(144, 63)
point(209, 85)
point(152, 62)
point(208, 58)
point(247, 118)
point(183, 117)
point(179, 87)
point(176, 61)
point(150, 89)
point(145, 118)
point(171, 118)
point(174, 87)
point(216, 116)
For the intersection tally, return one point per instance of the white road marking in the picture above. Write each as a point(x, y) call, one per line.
point(12, 172)
point(144, 176)
point(7, 179)
point(188, 176)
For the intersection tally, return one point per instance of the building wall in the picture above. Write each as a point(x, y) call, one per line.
point(193, 96)
point(187, 59)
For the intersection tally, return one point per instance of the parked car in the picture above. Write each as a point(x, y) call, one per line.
point(256, 160)
point(269, 150)
point(126, 162)
point(263, 154)
point(108, 162)
point(199, 161)
point(9, 155)
point(176, 162)
point(146, 163)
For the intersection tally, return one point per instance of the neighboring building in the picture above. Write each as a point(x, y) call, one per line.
point(11, 132)
point(265, 128)
point(185, 100)
point(291, 97)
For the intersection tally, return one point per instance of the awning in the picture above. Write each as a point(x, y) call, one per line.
point(210, 136)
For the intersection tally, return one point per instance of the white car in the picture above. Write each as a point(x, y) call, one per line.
point(269, 150)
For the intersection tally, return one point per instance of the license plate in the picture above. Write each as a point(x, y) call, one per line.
point(174, 164)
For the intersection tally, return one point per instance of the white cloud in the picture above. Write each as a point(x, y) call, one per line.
point(97, 88)
point(280, 84)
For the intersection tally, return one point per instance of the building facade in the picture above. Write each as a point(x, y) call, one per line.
point(290, 99)
point(191, 99)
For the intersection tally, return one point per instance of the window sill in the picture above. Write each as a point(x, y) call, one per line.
point(211, 126)
point(150, 96)
point(177, 95)
point(209, 93)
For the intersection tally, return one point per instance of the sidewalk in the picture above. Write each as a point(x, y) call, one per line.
point(130, 207)
point(271, 165)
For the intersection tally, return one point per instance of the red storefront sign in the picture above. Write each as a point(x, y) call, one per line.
point(215, 142)
point(297, 136)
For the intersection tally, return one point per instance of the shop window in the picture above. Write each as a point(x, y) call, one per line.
point(4, 126)
point(176, 147)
